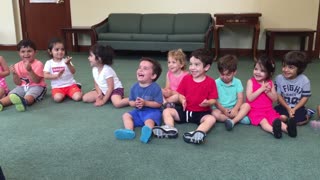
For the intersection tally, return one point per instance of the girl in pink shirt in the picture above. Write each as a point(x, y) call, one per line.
point(176, 72)
point(4, 71)
point(261, 94)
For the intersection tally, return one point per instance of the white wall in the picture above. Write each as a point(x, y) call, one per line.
point(275, 13)
point(7, 28)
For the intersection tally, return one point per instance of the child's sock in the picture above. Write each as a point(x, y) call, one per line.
point(245, 120)
point(229, 124)
point(124, 134)
point(145, 134)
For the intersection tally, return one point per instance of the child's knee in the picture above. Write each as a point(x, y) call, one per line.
point(58, 98)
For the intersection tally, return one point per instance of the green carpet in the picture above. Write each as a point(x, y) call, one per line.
point(74, 140)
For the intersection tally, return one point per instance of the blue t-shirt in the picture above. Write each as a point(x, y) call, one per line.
point(228, 93)
point(150, 93)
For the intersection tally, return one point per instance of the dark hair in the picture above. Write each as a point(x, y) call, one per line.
point(296, 58)
point(156, 67)
point(26, 43)
point(227, 63)
point(53, 42)
point(105, 53)
point(205, 56)
point(267, 64)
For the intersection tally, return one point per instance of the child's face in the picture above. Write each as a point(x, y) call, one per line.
point(259, 73)
point(92, 60)
point(57, 51)
point(27, 54)
point(196, 68)
point(145, 72)
point(173, 65)
point(289, 71)
point(227, 76)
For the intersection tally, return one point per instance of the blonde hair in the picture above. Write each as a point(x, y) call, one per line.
point(180, 56)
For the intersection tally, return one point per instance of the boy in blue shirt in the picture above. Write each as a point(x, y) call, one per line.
point(230, 107)
point(146, 97)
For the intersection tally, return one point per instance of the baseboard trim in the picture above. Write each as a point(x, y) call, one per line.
point(8, 47)
point(248, 52)
point(223, 51)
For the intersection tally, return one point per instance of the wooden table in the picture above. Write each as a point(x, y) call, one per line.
point(303, 33)
point(240, 19)
point(73, 39)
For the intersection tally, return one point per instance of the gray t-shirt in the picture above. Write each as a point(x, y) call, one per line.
point(292, 90)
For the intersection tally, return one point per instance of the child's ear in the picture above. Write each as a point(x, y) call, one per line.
point(154, 76)
point(207, 67)
point(48, 52)
point(99, 60)
point(235, 72)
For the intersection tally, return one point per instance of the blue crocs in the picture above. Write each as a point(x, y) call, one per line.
point(124, 134)
point(146, 133)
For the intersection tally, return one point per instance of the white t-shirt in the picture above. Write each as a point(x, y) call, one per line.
point(101, 78)
point(66, 78)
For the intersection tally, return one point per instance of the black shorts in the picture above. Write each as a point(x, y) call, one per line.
point(300, 114)
point(191, 116)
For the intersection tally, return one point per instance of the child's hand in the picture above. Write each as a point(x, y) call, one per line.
point(100, 95)
point(204, 103)
point(232, 113)
point(265, 86)
point(27, 65)
point(183, 102)
point(99, 102)
point(166, 92)
point(68, 60)
point(59, 74)
point(12, 69)
point(139, 102)
point(291, 112)
point(226, 112)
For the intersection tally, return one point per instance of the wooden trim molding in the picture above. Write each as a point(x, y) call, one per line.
point(317, 41)
point(8, 47)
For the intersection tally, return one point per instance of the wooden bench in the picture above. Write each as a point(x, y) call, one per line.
point(303, 33)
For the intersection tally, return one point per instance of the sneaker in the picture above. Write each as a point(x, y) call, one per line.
point(276, 125)
point(124, 134)
point(229, 124)
point(146, 133)
point(292, 127)
point(310, 113)
point(195, 137)
point(165, 132)
point(245, 120)
point(18, 101)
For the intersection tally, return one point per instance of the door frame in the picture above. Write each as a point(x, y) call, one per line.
point(23, 16)
point(317, 43)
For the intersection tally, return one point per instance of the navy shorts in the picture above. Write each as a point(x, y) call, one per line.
point(300, 114)
point(191, 116)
